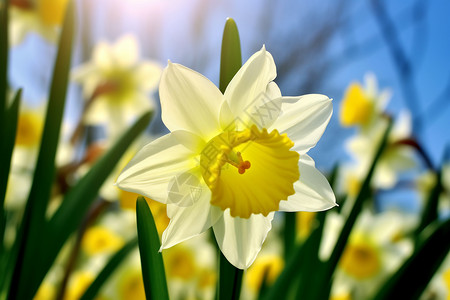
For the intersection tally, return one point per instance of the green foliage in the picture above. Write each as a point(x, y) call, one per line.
point(151, 259)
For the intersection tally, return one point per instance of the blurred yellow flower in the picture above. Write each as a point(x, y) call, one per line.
point(361, 258)
point(101, 240)
point(78, 283)
point(42, 16)
point(266, 267)
point(46, 291)
point(232, 160)
point(29, 129)
point(363, 106)
point(356, 107)
point(131, 285)
point(304, 223)
point(180, 263)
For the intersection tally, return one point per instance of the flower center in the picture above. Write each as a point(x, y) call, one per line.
point(29, 129)
point(361, 260)
point(52, 12)
point(249, 171)
point(356, 108)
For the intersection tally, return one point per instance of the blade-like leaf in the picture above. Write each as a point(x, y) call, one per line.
point(6, 150)
point(411, 279)
point(430, 212)
point(31, 229)
point(230, 60)
point(282, 287)
point(77, 201)
point(289, 233)
point(363, 194)
point(109, 268)
point(230, 278)
point(151, 259)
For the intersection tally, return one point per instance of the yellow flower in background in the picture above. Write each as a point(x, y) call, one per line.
point(117, 84)
point(29, 129)
point(180, 263)
point(233, 159)
point(377, 245)
point(304, 223)
point(78, 283)
point(266, 267)
point(42, 16)
point(101, 240)
point(357, 108)
point(395, 159)
point(362, 106)
point(131, 285)
point(46, 291)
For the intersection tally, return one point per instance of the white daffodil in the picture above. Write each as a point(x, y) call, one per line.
point(231, 160)
point(376, 247)
point(395, 159)
point(41, 16)
point(117, 84)
point(363, 106)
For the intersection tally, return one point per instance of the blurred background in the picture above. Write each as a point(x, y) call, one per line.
point(318, 47)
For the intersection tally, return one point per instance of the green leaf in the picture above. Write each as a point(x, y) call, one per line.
point(34, 216)
point(289, 276)
point(430, 212)
point(6, 150)
point(230, 60)
point(230, 280)
point(77, 201)
point(363, 194)
point(109, 269)
point(289, 233)
point(411, 279)
point(151, 259)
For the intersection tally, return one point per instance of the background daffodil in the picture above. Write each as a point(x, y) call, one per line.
point(231, 160)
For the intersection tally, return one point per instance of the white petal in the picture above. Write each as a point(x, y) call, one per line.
point(304, 119)
point(189, 101)
point(126, 51)
point(148, 75)
point(250, 82)
point(190, 140)
point(187, 222)
point(102, 56)
point(154, 166)
point(312, 190)
point(240, 240)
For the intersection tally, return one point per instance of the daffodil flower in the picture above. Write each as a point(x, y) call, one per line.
point(117, 84)
point(42, 16)
point(232, 160)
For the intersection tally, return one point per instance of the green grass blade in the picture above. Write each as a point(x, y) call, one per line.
point(430, 212)
point(109, 269)
point(230, 278)
point(151, 259)
point(231, 59)
point(289, 233)
point(282, 288)
point(364, 194)
point(6, 150)
point(34, 216)
point(77, 201)
point(412, 278)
